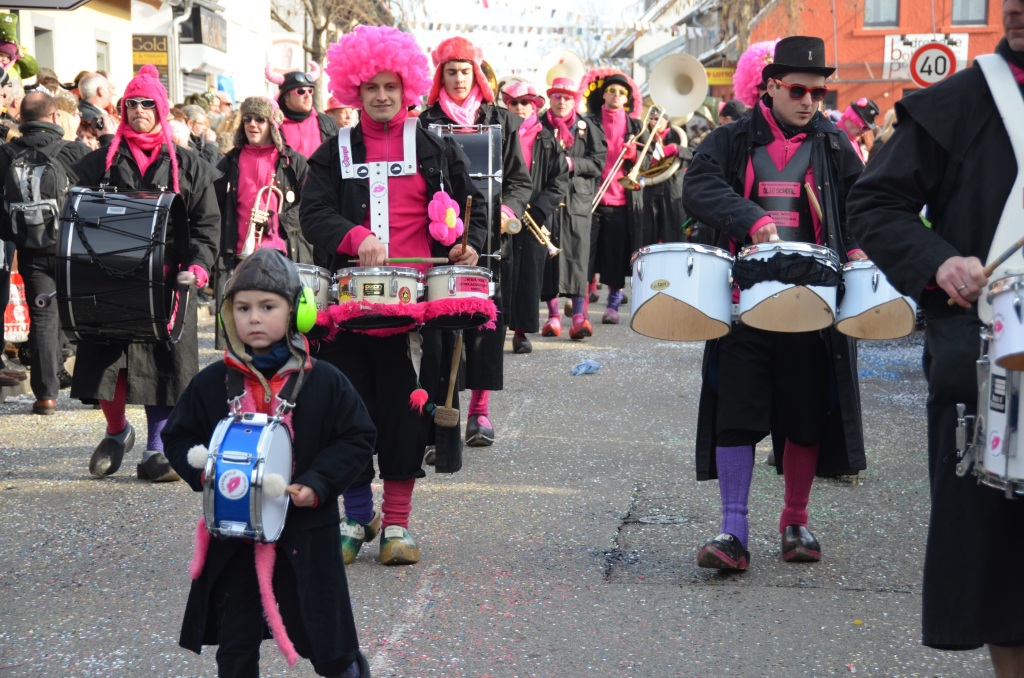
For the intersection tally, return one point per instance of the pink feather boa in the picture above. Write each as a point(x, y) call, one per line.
point(265, 556)
point(337, 315)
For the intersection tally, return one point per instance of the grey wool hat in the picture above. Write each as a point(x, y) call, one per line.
point(261, 107)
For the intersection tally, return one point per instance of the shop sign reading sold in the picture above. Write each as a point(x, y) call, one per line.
point(932, 63)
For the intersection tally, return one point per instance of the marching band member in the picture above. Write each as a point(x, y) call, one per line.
point(382, 71)
point(304, 128)
point(460, 95)
point(613, 105)
point(585, 151)
point(952, 151)
point(858, 118)
point(802, 387)
point(258, 160)
point(550, 174)
point(663, 202)
point(143, 157)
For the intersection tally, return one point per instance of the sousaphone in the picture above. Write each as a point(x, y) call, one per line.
point(678, 83)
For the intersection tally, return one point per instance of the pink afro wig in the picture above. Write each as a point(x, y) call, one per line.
point(748, 71)
point(592, 91)
point(359, 56)
point(458, 49)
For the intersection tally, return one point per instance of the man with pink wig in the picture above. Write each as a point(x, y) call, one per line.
point(461, 95)
point(382, 71)
point(585, 151)
point(304, 128)
point(142, 157)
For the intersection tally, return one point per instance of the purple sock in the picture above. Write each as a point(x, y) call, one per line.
point(735, 469)
point(578, 305)
point(614, 299)
point(358, 501)
point(156, 418)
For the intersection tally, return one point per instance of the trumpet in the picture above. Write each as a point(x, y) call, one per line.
point(542, 234)
point(606, 184)
point(259, 217)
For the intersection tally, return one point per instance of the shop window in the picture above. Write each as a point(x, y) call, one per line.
point(881, 13)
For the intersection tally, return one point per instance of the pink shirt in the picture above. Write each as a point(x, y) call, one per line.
point(257, 167)
point(302, 137)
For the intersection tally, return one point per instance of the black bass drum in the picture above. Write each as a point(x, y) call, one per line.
point(117, 261)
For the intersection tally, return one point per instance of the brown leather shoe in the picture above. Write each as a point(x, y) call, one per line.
point(44, 407)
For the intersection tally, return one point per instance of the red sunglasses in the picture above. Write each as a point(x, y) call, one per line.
point(798, 92)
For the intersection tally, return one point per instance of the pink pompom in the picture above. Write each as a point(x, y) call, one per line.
point(418, 400)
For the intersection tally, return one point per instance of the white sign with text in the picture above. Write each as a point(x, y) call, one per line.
point(899, 49)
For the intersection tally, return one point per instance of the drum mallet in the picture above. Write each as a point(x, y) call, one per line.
point(994, 264)
point(410, 260)
point(465, 224)
point(813, 199)
point(448, 416)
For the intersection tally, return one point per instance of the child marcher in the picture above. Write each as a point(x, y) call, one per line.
point(237, 583)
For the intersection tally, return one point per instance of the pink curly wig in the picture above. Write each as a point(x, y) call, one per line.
point(359, 56)
point(458, 49)
point(592, 91)
point(748, 71)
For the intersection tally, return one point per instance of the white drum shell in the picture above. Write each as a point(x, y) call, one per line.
point(458, 282)
point(380, 284)
point(321, 282)
point(868, 293)
point(999, 459)
point(1006, 296)
point(695, 276)
point(787, 307)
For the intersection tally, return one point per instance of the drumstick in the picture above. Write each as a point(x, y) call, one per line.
point(410, 260)
point(813, 199)
point(465, 224)
point(994, 264)
point(291, 491)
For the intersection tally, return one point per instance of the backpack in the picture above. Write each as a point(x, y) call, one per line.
point(34, 191)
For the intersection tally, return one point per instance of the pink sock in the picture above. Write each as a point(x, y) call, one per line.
point(798, 465)
point(113, 410)
point(397, 504)
point(552, 308)
point(478, 402)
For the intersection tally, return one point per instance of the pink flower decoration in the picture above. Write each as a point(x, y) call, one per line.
point(445, 226)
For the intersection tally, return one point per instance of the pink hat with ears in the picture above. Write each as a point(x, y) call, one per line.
point(147, 85)
point(521, 90)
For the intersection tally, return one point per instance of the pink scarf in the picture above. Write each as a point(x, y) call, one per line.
point(464, 113)
point(562, 132)
point(303, 137)
point(528, 132)
point(145, 148)
point(257, 167)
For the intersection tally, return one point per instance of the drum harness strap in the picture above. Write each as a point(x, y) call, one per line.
point(1007, 96)
point(286, 397)
point(378, 173)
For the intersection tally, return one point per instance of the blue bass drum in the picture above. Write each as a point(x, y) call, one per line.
point(243, 450)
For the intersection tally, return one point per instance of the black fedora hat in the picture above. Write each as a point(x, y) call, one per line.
point(798, 54)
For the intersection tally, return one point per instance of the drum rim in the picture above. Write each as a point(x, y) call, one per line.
point(682, 247)
point(313, 268)
point(391, 271)
point(857, 265)
point(1004, 284)
point(810, 248)
point(460, 269)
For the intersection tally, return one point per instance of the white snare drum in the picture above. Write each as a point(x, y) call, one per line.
point(996, 449)
point(871, 307)
point(780, 302)
point(243, 451)
point(379, 296)
point(458, 297)
point(321, 282)
point(681, 292)
point(1006, 297)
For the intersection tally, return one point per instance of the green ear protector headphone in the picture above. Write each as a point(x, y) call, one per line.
point(304, 313)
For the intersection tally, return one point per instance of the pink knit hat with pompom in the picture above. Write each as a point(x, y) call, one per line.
point(147, 85)
point(359, 56)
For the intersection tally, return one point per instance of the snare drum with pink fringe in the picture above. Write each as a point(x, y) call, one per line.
point(458, 298)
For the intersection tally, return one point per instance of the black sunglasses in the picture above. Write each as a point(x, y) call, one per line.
point(246, 119)
point(521, 102)
point(145, 103)
point(798, 92)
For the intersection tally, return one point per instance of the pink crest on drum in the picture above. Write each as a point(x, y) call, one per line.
point(997, 326)
point(996, 442)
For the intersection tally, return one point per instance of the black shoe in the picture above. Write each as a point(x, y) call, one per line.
point(430, 458)
point(521, 345)
point(593, 297)
point(625, 299)
point(107, 456)
point(724, 552)
point(64, 378)
point(479, 432)
point(157, 469)
point(799, 545)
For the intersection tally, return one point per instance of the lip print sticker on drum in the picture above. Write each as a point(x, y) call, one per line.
point(233, 484)
point(1006, 296)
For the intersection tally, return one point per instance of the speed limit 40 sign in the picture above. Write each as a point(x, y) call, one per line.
point(931, 63)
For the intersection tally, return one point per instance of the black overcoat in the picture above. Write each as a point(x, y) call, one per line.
point(714, 196)
point(157, 373)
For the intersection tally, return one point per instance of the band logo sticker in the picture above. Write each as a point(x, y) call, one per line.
point(116, 210)
point(233, 484)
point(404, 295)
point(778, 189)
point(785, 219)
point(395, 169)
point(997, 326)
point(470, 285)
point(346, 159)
point(379, 189)
point(997, 394)
point(362, 171)
point(660, 285)
point(373, 289)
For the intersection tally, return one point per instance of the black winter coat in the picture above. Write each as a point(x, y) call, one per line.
point(571, 225)
point(331, 207)
point(290, 176)
point(332, 441)
point(157, 373)
point(714, 196)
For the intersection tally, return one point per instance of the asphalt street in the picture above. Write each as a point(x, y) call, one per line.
point(566, 549)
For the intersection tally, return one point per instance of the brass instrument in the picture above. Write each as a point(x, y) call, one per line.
point(542, 234)
point(564, 64)
point(622, 157)
point(259, 217)
point(632, 182)
point(664, 168)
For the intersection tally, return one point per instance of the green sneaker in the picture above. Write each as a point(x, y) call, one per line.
point(354, 535)
point(397, 547)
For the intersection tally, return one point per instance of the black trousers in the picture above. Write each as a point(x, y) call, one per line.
point(609, 245)
point(6, 255)
point(44, 338)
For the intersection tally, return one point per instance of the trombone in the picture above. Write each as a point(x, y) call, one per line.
point(541, 233)
point(258, 218)
point(606, 184)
